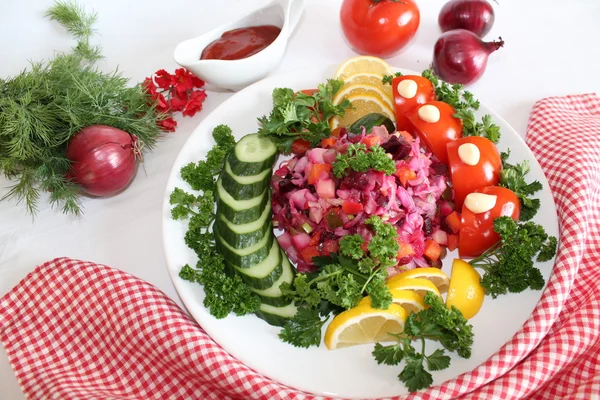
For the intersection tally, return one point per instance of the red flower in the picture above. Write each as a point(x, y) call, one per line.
point(150, 87)
point(178, 104)
point(161, 103)
point(197, 82)
point(183, 81)
point(163, 79)
point(195, 104)
point(168, 124)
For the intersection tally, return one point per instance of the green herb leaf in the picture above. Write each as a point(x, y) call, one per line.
point(513, 177)
point(509, 265)
point(437, 360)
point(359, 159)
point(304, 330)
point(388, 355)
point(302, 116)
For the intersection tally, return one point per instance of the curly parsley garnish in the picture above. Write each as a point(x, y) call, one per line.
point(465, 105)
point(438, 323)
point(341, 281)
point(509, 265)
point(224, 293)
point(302, 116)
point(361, 159)
point(513, 178)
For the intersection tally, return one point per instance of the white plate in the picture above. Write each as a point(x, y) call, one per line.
point(349, 372)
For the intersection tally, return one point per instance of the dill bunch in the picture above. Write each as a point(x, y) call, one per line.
point(46, 105)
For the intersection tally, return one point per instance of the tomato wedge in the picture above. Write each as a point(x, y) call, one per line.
point(424, 94)
point(477, 230)
point(468, 178)
point(436, 135)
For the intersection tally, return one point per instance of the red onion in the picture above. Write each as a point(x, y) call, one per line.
point(460, 56)
point(476, 16)
point(104, 159)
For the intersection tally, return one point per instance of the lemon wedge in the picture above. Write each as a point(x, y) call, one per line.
point(362, 64)
point(364, 324)
point(362, 105)
point(465, 291)
point(407, 299)
point(357, 89)
point(419, 285)
point(435, 275)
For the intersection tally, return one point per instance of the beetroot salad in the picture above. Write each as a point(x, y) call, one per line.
point(315, 208)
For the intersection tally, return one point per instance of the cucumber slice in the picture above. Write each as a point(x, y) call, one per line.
point(272, 296)
point(240, 211)
point(252, 155)
point(263, 274)
point(277, 316)
point(246, 257)
point(241, 236)
point(242, 191)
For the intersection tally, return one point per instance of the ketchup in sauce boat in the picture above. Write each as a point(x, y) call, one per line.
point(241, 43)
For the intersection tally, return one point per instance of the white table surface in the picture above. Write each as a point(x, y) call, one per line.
point(551, 49)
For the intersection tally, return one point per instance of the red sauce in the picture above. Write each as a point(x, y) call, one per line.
point(240, 43)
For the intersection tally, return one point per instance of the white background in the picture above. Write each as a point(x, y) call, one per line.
point(551, 49)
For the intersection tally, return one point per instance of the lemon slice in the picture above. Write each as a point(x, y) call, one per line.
point(369, 79)
point(363, 324)
point(362, 105)
point(419, 285)
point(407, 299)
point(435, 275)
point(358, 89)
point(362, 64)
point(465, 291)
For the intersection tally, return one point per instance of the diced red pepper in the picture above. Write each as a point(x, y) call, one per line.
point(405, 250)
point(314, 240)
point(432, 250)
point(309, 92)
point(351, 207)
point(316, 172)
point(453, 221)
point(405, 174)
point(327, 143)
point(365, 246)
point(300, 146)
point(308, 253)
point(330, 246)
point(371, 141)
point(452, 242)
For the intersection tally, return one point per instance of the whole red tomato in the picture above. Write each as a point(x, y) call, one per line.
point(379, 27)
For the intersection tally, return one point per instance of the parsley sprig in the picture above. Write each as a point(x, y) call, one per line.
point(361, 159)
point(465, 105)
point(302, 116)
point(224, 293)
point(509, 265)
point(438, 323)
point(513, 178)
point(389, 78)
point(341, 282)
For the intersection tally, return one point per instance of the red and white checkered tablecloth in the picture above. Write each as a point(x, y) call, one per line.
point(78, 330)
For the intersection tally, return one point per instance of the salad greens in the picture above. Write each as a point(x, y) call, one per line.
point(224, 293)
point(361, 159)
point(437, 323)
point(301, 115)
point(513, 178)
point(508, 266)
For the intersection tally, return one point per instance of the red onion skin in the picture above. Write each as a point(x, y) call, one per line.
point(476, 16)
point(104, 159)
point(460, 56)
